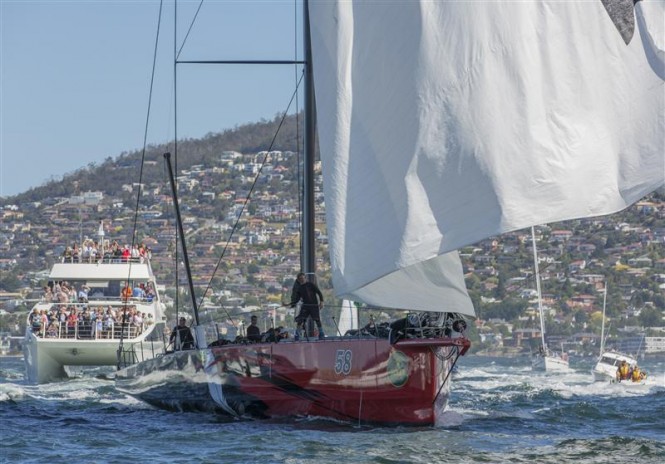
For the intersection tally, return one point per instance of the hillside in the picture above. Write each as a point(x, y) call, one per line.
point(250, 263)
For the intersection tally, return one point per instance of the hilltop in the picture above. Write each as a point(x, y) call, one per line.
point(109, 176)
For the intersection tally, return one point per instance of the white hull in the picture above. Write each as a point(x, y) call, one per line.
point(48, 353)
point(46, 359)
point(549, 363)
point(604, 373)
point(605, 369)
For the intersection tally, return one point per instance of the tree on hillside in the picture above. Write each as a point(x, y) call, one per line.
point(509, 309)
point(581, 316)
point(566, 290)
point(500, 290)
point(651, 317)
point(10, 283)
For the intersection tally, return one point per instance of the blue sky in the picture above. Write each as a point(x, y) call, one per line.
point(75, 77)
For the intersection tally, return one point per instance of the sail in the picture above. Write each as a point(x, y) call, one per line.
point(443, 123)
point(348, 317)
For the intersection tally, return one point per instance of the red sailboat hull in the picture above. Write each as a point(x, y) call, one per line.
point(368, 381)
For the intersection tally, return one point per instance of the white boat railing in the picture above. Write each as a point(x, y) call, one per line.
point(103, 299)
point(103, 259)
point(85, 330)
point(52, 320)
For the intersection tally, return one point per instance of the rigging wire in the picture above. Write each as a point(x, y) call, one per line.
point(176, 54)
point(249, 194)
point(454, 351)
point(191, 25)
point(140, 183)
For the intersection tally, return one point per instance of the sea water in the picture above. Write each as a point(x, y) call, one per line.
point(499, 412)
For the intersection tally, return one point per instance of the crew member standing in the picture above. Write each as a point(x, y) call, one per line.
point(253, 331)
point(182, 337)
point(312, 303)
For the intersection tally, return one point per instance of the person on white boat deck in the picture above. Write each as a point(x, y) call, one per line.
point(623, 371)
point(181, 336)
point(637, 375)
point(83, 294)
point(138, 291)
point(308, 293)
point(126, 291)
point(253, 331)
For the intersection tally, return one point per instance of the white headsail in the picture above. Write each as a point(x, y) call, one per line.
point(443, 123)
point(348, 317)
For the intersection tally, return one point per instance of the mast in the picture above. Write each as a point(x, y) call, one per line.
point(540, 298)
point(167, 157)
point(602, 325)
point(308, 259)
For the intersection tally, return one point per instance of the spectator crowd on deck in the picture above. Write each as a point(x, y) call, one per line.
point(91, 251)
point(71, 315)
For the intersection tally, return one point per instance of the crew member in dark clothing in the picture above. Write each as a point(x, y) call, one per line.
point(253, 331)
point(182, 337)
point(308, 293)
point(274, 335)
point(370, 327)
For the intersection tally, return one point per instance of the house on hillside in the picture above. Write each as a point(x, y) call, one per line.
point(577, 266)
point(523, 337)
point(559, 236)
point(641, 262)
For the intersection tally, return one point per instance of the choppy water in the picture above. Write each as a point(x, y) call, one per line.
point(499, 412)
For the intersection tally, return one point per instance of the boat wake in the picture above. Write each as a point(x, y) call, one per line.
point(450, 419)
point(515, 394)
point(11, 392)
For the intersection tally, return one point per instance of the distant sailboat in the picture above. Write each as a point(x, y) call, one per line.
point(609, 361)
point(545, 359)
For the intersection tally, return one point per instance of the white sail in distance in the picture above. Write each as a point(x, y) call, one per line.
point(444, 123)
point(348, 317)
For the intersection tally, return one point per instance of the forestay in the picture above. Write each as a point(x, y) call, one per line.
point(443, 123)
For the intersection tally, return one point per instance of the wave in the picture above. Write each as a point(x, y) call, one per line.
point(11, 392)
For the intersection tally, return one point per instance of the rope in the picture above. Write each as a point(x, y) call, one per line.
point(249, 194)
point(191, 25)
point(456, 350)
point(138, 194)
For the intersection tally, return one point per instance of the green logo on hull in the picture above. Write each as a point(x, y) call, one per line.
point(398, 368)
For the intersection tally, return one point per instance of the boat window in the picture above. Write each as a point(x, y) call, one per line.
point(608, 360)
point(98, 284)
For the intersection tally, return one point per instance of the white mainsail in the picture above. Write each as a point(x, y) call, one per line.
point(443, 123)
